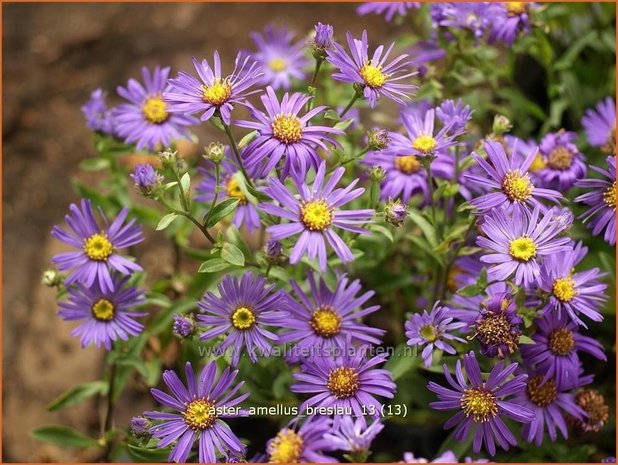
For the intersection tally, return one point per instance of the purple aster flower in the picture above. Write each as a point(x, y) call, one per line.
point(281, 59)
point(212, 94)
point(105, 314)
point(315, 214)
point(474, 16)
point(518, 239)
point(511, 19)
point(146, 178)
point(244, 309)
point(353, 436)
point(602, 201)
point(146, 120)
point(325, 322)
point(422, 140)
point(374, 75)
point(454, 114)
point(563, 164)
point(405, 176)
point(348, 382)
point(600, 125)
point(282, 132)
point(597, 411)
point(323, 37)
point(246, 212)
point(140, 426)
point(433, 330)
point(98, 116)
point(388, 9)
point(508, 176)
point(556, 347)
point(97, 246)
point(184, 326)
point(549, 401)
point(571, 292)
point(199, 408)
point(481, 404)
point(304, 444)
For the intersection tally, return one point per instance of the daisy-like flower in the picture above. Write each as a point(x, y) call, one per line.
point(97, 254)
point(243, 310)
point(349, 382)
point(550, 402)
point(571, 292)
point(390, 10)
point(353, 436)
point(315, 214)
point(374, 75)
point(405, 175)
point(98, 116)
point(146, 119)
point(454, 114)
point(433, 330)
point(328, 321)
point(246, 213)
point(600, 125)
point(474, 16)
point(563, 164)
point(422, 140)
point(106, 314)
point(198, 411)
point(511, 19)
point(517, 240)
point(213, 94)
point(556, 348)
point(482, 404)
point(602, 201)
point(304, 444)
point(282, 132)
point(508, 176)
point(281, 58)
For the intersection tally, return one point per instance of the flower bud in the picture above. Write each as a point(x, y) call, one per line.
point(214, 152)
point(140, 426)
point(378, 139)
point(377, 174)
point(323, 38)
point(51, 278)
point(273, 251)
point(395, 212)
point(184, 326)
point(501, 125)
point(146, 179)
point(168, 158)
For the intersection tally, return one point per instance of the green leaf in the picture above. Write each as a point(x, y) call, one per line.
point(94, 164)
point(332, 115)
point(221, 210)
point(232, 254)
point(428, 230)
point(247, 139)
point(63, 436)
point(185, 182)
point(523, 339)
point(470, 291)
point(343, 125)
point(78, 394)
point(213, 265)
point(141, 454)
point(166, 221)
point(383, 230)
point(216, 122)
point(401, 362)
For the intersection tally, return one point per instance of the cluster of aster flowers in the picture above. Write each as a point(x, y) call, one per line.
point(507, 307)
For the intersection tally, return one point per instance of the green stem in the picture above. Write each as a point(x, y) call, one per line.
point(109, 415)
point(318, 65)
point(228, 131)
point(356, 157)
point(190, 217)
point(216, 196)
point(350, 105)
point(431, 199)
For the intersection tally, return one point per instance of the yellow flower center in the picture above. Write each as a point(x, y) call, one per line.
point(479, 403)
point(277, 64)
point(287, 128)
point(316, 215)
point(560, 158)
point(564, 289)
point(325, 322)
point(373, 75)
point(515, 8)
point(522, 249)
point(429, 333)
point(408, 164)
point(516, 187)
point(424, 144)
point(537, 164)
point(218, 93)
point(286, 447)
point(103, 310)
point(200, 414)
point(243, 318)
point(561, 342)
point(154, 110)
point(609, 196)
point(98, 247)
point(542, 394)
point(233, 190)
point(343, 382)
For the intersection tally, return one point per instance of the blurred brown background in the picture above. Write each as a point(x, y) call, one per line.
point(53, 56)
